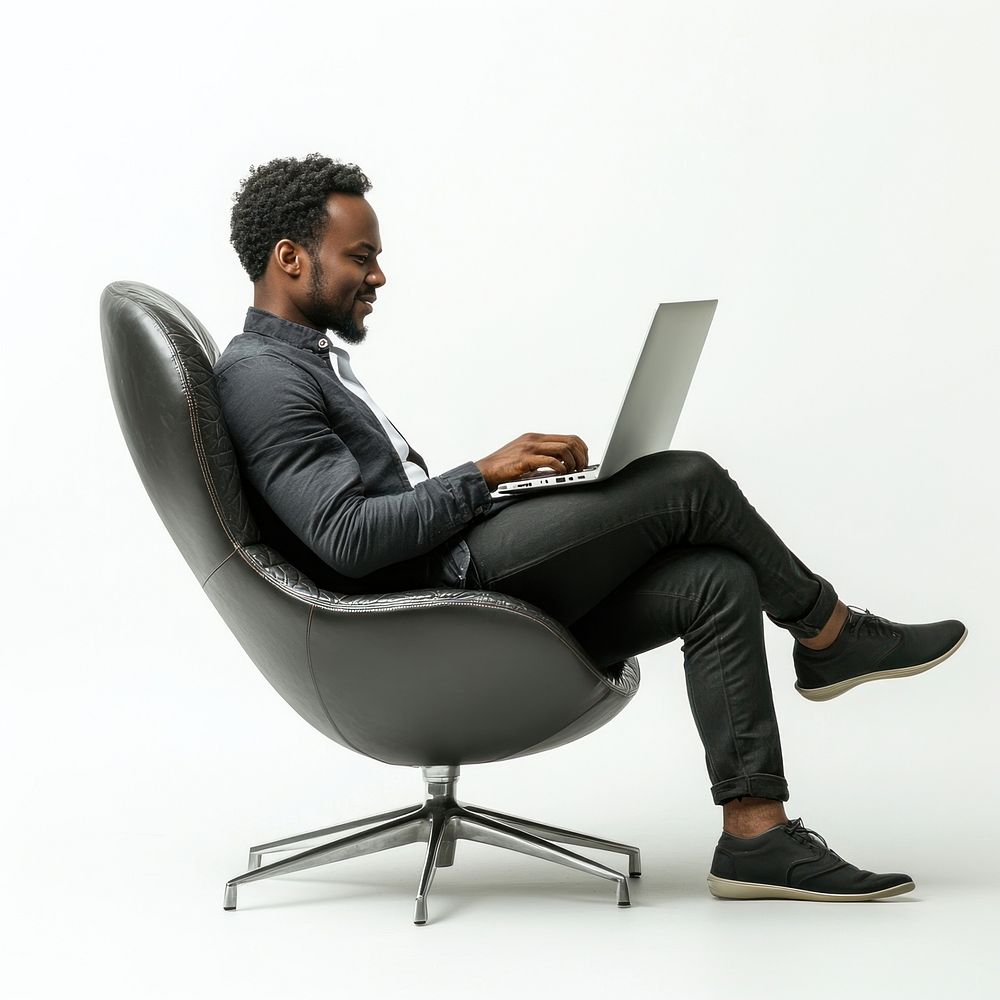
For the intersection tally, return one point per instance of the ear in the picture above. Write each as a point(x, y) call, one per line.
point(290, 257)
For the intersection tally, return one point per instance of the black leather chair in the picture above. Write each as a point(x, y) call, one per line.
point(430, 678)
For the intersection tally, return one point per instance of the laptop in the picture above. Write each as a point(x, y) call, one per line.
point(653, 400)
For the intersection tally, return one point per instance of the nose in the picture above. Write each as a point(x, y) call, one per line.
point(376, 278)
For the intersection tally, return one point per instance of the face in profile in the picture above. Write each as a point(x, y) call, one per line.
point(344, 273)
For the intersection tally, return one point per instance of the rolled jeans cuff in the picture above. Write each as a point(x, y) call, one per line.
point(761, 786)
point(811, 624)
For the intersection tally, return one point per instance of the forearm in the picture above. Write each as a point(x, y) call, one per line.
point(358, 535)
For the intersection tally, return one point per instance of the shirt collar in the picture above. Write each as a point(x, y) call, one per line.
point(268, 325)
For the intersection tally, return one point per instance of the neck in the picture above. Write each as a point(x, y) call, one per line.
point(280, 305)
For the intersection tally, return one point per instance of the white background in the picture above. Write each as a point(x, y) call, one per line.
point(544, 174)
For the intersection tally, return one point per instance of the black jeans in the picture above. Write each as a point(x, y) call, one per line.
point(667, 547)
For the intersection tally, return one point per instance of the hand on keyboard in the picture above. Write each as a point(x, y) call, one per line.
point(562, 454)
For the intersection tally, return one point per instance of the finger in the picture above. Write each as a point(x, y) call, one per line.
point(572, 459)
point(579, 451)
point(563, 452)
point(576, 446)
point(550, 460)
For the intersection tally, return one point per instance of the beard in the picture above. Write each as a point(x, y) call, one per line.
point(326, 317)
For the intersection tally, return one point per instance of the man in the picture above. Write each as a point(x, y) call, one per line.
point(668, 547)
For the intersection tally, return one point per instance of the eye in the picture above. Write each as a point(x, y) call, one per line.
point(361, 259)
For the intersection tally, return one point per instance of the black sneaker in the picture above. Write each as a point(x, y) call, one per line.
point(870, 648)
point(792, 862)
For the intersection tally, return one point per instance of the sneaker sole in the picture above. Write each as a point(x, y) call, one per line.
point(832, 690)
point(724, 888)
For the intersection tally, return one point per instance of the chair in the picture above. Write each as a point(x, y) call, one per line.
point(428, 678)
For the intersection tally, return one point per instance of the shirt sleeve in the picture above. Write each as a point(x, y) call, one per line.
point(289, 453)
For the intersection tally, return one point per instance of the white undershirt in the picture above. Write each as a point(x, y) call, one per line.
point(340, 362)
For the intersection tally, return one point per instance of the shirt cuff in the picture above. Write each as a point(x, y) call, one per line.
point(469, 486)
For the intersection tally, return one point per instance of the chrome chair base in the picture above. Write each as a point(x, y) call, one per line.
point(440, 821)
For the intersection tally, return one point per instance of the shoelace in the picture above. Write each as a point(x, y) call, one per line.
point(798, 831)
point(806, 836)
point(872, 624)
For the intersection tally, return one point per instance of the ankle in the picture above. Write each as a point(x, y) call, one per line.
point(750, 816)
point(830, 631)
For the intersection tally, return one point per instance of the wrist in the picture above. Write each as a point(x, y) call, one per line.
point(486, 479)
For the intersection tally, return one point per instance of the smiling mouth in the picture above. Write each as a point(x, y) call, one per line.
point(367, 302)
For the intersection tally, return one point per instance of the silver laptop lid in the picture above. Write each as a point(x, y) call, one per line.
point(651, 408)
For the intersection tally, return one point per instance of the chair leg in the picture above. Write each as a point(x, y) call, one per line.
point(290, 843)
point(439, 823)
point(565, 836)
point(488, 831)
point(446, 856)
point(407, 829)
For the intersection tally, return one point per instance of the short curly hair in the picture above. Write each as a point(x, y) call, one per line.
point(286, 199)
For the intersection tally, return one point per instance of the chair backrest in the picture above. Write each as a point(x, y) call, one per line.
point(159, 361)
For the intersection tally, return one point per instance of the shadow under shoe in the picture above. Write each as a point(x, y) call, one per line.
point(790, 861)
point(871, 648)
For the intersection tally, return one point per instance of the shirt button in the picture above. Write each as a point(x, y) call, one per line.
point(323, 343)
